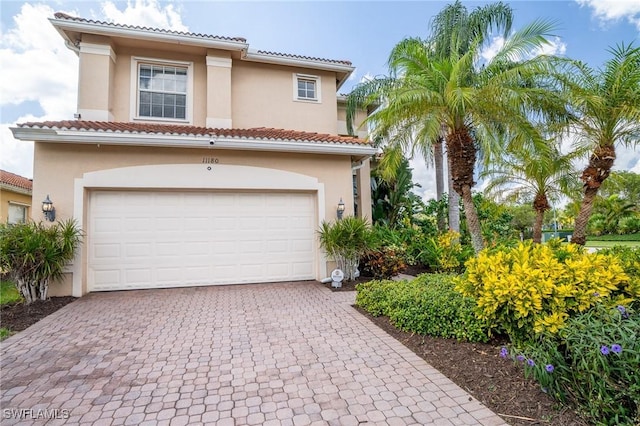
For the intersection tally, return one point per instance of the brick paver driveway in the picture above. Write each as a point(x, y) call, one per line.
point(291, 354)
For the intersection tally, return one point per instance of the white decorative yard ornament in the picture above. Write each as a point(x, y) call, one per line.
point(337, 276)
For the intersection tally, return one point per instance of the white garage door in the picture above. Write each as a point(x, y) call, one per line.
point(161, 239)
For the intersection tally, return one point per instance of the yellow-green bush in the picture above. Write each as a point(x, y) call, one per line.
point(532, 289)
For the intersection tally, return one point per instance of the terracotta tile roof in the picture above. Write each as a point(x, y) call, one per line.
point(261, 133)
point(66, 17)
point(13, 179)
point(307, 58)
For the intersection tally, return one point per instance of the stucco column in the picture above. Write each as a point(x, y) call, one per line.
point(363, 176)
point(95, 83)
point(218, 91)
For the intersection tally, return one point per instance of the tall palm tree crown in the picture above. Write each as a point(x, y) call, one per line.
point(434, 85)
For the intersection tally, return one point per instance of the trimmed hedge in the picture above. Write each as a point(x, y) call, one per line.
point(427, 305)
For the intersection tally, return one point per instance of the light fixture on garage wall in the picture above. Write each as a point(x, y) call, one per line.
point(340, 210)
point(48, 209)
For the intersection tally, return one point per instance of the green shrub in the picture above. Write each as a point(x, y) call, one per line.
point(597, 224)
point(594, 362)
point(444, 253)
point(384, 262)
point(374, 296)
point(33, 254)
point(427, 305)
point(629, 225)
point(535, 288)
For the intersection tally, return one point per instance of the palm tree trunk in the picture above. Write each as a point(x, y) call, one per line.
point(438, 163)
point(537, 226)
point(580, 227)
point(594, 174)
point(540, 205)
point(453, 201)
point(473, 223)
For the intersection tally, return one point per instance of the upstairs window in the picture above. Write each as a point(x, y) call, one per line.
point(306, 88)
point(163, 91)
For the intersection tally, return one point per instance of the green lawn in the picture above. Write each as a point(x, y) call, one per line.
point(8, 294)
point(612, 243)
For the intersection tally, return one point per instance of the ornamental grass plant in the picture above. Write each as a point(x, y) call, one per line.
point(33, 254)
point(345, 241)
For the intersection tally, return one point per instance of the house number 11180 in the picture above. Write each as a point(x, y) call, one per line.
point(210, 160)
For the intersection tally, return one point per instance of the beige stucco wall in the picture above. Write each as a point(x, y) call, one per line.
point(360, 116)
point(8, 196)
point(263, 96)
point(58, 165)
point(123, 83)
point(252, 94)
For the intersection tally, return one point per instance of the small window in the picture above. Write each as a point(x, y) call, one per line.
point(162, 91)
point(17, 213)
point(306, 88)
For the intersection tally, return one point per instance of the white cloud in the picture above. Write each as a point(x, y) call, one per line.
point(613, 10)
point(38, 67)
point(145, 13)
point(489, 52)
point(366, 77)
point(425, 176)
point(555, 47)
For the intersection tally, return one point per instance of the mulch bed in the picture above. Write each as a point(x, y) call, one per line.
point(18, 316)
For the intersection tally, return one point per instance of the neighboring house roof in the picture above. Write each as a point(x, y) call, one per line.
point(15, 182)
point(152, 134)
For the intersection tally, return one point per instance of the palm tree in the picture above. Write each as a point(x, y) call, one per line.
point(607, 102)
point(426, 92)
point(538, 174)
point(454, 28)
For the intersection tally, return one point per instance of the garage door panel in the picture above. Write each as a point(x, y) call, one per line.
point(106, 251)
point(172, 239)
point(138, 250)
point(302, 269)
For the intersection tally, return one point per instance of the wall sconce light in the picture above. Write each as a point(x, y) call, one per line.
point(48, 209)
point(340, 210)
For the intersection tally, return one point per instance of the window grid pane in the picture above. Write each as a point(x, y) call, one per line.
point(162, 91)
point(306, 89)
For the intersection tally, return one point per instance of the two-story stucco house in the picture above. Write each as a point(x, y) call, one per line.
point(195, 160)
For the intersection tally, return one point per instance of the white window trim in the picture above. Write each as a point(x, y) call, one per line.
point(316, 78)
point(135, 62)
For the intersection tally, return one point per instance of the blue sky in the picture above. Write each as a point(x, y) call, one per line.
point(37, 76)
